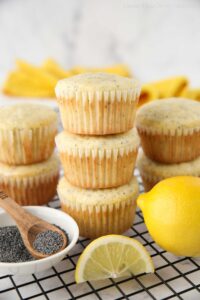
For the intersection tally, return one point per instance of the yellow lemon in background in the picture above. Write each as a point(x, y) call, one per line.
point(171, 212)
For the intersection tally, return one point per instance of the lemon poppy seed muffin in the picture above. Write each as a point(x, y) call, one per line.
point(30, 184)
point(100, 212)
point(98, 162)
point(152, 172)
point(27, 133)
point(170, 130)
point(97, 103)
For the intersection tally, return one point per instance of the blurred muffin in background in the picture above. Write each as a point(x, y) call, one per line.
point(31, 184)
point(27, 133)
point(170, 130)
point(152, 172)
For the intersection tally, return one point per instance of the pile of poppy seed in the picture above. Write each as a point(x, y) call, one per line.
point(12, 248)
point(48, 242)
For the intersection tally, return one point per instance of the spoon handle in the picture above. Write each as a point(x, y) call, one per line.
point(18, 213)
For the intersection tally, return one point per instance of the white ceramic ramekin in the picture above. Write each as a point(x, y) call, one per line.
point(53, 216)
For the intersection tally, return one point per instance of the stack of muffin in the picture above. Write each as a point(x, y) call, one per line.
point(98, 149)
point(170, 136)
point(28, 170)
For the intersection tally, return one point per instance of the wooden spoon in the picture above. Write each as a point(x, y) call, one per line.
point(29, 225)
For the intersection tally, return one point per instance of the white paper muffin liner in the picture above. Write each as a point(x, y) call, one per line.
point(171, 148)
point(153, 172)
point(27, 146)
point(182, 131)
point(31, 190)
point(99, 169)
point(98, 113)
point(95, 221)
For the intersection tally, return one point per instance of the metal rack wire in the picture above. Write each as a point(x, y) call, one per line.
point(174, 278)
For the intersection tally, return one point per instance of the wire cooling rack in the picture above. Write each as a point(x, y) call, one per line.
point(174, 278)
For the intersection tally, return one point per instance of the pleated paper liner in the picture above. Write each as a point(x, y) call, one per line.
point(27, 146)
point(99, 113)
point(171, 148)
point(100, 217)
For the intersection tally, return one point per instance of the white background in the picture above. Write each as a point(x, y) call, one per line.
point(156, 38)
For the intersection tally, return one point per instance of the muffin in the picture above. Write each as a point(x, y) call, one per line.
point(27, 133)
point(97, 103)
point(98, 162)
point(170, 130)
point(152, 172)
point(100, 212)
point(32, 184)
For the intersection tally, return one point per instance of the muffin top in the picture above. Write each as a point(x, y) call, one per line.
point(151, 169)
point(95, 82)
point(48, 166)
point(66, 141)
point(169, 116)
point(78, 195)
point(26, 115)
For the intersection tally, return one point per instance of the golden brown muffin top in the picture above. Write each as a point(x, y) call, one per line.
point(26, 116)
point(152, 169)
point(129, 140)
point(96, 83)
point(81, 196)
point(169, 116)
point(43, 168)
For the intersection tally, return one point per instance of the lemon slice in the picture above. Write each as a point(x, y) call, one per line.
point(113, 256)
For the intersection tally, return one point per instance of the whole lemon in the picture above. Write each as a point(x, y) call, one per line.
point(171, 212)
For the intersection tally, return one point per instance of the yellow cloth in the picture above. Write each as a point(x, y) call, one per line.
point(52, 67)
point(148, 93)
point(165, 88)
point(31, 81)
point(191, 94)
point(21, 84)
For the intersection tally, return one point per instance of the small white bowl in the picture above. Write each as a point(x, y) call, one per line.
point(52, 216)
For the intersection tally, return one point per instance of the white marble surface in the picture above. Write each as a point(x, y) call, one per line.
point(157, 38)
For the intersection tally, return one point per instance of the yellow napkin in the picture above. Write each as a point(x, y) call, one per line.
point(191, 94)
point(52, 67)
point(21, 84)
point(148, 93)
point(165, 88)
point(31, 81)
